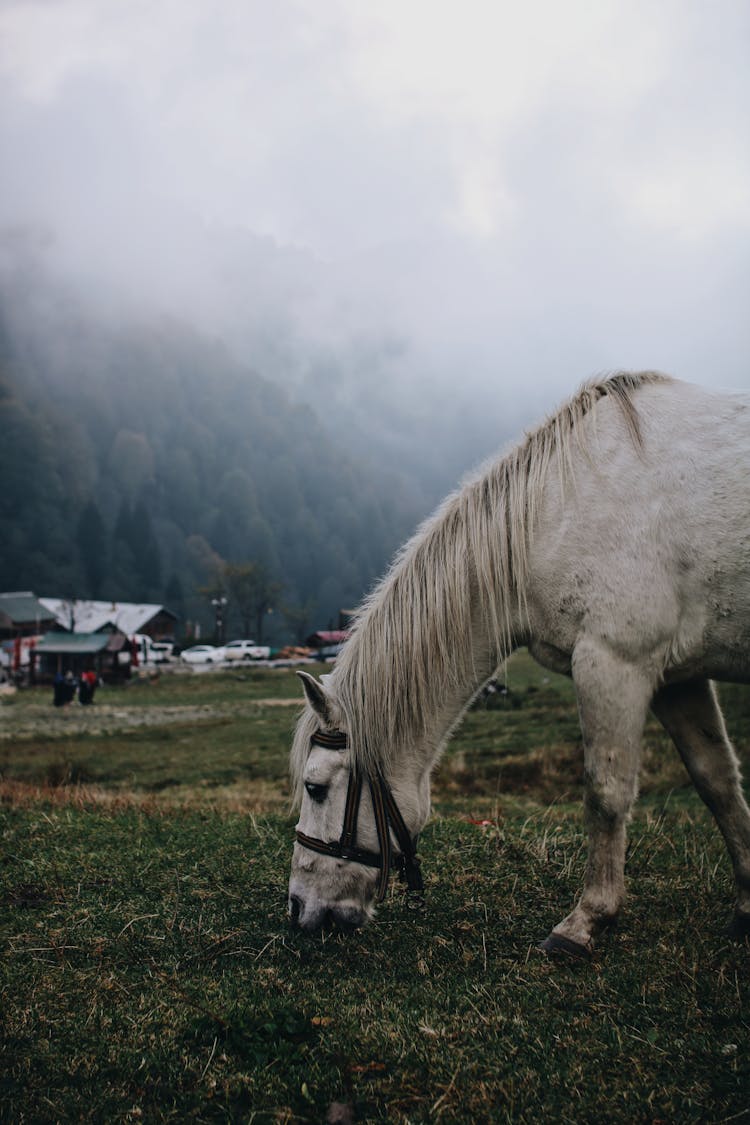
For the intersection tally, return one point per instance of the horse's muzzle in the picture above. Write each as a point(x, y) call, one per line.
point(345, 919)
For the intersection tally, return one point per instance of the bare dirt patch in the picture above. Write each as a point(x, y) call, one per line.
point(37, 720)
point(42, 720)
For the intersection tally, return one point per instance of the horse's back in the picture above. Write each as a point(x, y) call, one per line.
point(648, 545)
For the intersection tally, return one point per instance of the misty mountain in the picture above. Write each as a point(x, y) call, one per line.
point(137, 455)
point(323, 332)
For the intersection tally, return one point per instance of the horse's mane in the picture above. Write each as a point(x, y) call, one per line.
point(412, 642)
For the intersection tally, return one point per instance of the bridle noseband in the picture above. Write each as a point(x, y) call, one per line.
point(387, 817)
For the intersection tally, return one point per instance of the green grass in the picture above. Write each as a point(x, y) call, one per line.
point(148, 972)
point(181, 739)
point(210, 752)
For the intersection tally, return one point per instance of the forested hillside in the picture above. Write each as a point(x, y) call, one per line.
point(139, 457)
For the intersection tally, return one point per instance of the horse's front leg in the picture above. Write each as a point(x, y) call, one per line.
point(613, 700)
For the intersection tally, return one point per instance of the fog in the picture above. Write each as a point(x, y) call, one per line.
point(484, 201)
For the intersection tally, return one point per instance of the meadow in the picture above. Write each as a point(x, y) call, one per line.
point(149, 973)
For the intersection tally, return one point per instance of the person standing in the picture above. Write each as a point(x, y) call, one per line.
point(59, 690)
point(69, 688)
point(89, 681)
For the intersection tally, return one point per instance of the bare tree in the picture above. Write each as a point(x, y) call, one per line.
point(252, 593)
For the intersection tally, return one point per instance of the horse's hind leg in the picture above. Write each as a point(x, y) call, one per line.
point(690, 713)
point(613, 700)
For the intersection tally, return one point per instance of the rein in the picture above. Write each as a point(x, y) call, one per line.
point(387, 817)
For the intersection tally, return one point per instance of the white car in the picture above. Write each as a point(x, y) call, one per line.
point(202, 654)
point(246, 650)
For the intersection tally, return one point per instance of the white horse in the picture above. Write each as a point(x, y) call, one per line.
point(613, 541)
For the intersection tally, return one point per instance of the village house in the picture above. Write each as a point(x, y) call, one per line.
point(45, 636)
point(77, 615)
point(22, 620)
point(99, 635)
point(23, 615)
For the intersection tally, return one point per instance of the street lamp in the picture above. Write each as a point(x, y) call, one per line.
point(219, 605)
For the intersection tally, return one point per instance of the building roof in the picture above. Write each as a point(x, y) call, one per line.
point(23, 608)
point(73, 644)
point(91, 617)
point(328, 637)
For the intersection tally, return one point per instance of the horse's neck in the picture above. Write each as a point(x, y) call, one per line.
point(403, 688)
point(476, 670)
point(410, 772)
point(477, 666)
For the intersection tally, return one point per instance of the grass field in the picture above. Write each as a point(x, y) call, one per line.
point(148, 972)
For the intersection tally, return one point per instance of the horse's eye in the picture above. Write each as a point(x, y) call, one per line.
point(318, 793)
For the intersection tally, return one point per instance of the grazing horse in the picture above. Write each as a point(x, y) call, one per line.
point(614, 542)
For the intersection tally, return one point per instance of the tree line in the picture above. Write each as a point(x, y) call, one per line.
point(140, 461)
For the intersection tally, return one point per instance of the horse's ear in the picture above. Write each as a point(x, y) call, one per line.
point(316, 696)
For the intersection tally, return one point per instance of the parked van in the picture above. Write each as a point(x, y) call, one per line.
point(151, 651)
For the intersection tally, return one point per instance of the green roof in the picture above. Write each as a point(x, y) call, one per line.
point(23, 608)
point(72, 644)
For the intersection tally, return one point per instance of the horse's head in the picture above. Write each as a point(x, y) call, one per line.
point(351, 831)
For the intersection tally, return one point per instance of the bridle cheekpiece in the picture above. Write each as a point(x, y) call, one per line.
point(388, 819)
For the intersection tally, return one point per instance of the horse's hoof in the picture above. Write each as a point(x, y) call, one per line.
point(739, 928)
point(556, 945)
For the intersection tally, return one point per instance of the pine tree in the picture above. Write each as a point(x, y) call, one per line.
point(91, 539)
point(145, 550)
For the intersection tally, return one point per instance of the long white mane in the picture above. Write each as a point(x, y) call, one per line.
point(412, 638)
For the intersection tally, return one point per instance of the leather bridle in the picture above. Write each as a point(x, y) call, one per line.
point(387, 818)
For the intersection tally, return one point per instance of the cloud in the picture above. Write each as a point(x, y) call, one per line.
point(520, 194)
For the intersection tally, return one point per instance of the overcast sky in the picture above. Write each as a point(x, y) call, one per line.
point(526, 194)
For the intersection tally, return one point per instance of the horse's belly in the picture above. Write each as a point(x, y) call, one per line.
point(727, 649)
point(680, 628)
